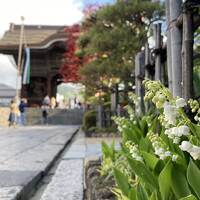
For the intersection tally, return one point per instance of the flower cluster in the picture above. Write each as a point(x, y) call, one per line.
point(193, 150)
point(121, 122)
point(134, 150)
point(170, 113)
point(195, 107)
point(136, 101)
point(130, 112)
point(160, 148)
point(175, 133)
point(156, 92)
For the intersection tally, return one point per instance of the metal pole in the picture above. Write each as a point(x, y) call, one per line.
point(19, 58)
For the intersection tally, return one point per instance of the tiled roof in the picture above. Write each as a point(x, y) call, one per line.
point(34, 35)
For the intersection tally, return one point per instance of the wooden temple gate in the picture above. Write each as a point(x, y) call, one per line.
point(47, 45)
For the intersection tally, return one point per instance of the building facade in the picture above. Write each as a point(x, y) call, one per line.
point(47, 45)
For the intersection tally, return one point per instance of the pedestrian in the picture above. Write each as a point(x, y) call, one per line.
point(22, 108)
point(46, 101)
point(53, 102)
point(14, 113)
point(45, 114)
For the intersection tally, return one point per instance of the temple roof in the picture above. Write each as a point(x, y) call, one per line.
point(35, 36)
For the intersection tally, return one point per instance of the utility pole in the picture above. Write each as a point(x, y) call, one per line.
point(187, 54)
point(169, 53)
point(176, 46)
point(19, 59)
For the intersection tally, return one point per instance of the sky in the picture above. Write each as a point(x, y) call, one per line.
point(48, 12)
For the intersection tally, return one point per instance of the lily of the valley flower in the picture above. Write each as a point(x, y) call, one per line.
point(193, 150)
point(180, 103)
point(134, 151)
point(170, 113)
point(177, 132)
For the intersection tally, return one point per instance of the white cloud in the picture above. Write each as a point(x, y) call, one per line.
point(49, 12)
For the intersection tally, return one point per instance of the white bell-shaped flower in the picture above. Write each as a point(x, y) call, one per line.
point(186, 146)
point(180, 103)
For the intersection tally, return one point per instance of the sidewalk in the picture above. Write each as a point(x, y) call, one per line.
point(68, 180)
point(26, 154)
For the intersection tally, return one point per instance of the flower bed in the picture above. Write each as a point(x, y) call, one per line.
point(160, 151)
point(98, 187)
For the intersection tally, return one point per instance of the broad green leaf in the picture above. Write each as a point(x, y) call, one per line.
point(132, 194)
point(145, 144)
point(190, 197)
point(153, 196)
point(179, 182)
point(141, 193)
point(122, 181)
point(195, 129)
point(150, 159)
point(193, 176)
point(164, 181)
point(105, 149)
point(131, 135)
point(143, 172)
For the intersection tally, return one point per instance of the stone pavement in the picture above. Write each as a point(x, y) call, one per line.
point(26, 153)
point(68, 181)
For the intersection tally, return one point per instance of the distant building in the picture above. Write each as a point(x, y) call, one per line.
point(8, 79)
point(47, 45)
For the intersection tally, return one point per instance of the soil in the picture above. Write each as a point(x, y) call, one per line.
point(97, 187)
point(94, 134)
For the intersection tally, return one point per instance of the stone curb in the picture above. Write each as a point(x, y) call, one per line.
point(26, 190)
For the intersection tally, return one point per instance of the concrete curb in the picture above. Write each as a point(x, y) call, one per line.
point(27, 189)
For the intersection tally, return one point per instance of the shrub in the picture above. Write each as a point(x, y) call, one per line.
point(89, 120)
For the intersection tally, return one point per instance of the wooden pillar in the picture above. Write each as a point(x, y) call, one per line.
point(114, 98)
point(169, 54)
point(176, 45)
point(100, 116)
point(49, 86)
point(158, 45)
point(139, 76)
point(147, 61)
point(187, 54)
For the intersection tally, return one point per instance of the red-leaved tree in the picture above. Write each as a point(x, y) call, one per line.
point(69, 69)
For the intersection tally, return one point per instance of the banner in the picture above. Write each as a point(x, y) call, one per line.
point(26, 74)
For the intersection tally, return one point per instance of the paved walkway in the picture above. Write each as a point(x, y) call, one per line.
point(26, 153)
point(68, 180)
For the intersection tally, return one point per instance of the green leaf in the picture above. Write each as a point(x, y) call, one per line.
point(193, 176)
point(132, 194)
point(195, 129)
point(145, 144)
point(105, 149)
point(153, 196)
point(150, 159)
point(190, 197)
point(131, 135)
point(164, 181)
point(122, 181)
point(141, 193)
point(179, 182)
point(143, 172)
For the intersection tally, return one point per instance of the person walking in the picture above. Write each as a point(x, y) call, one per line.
point(14, 113)
point(22, 108)
point(45, 114)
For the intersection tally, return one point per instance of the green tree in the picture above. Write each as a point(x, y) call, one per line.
point(111, 37)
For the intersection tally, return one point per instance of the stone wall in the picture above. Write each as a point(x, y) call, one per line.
point(4, 113)
point(55, 116)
